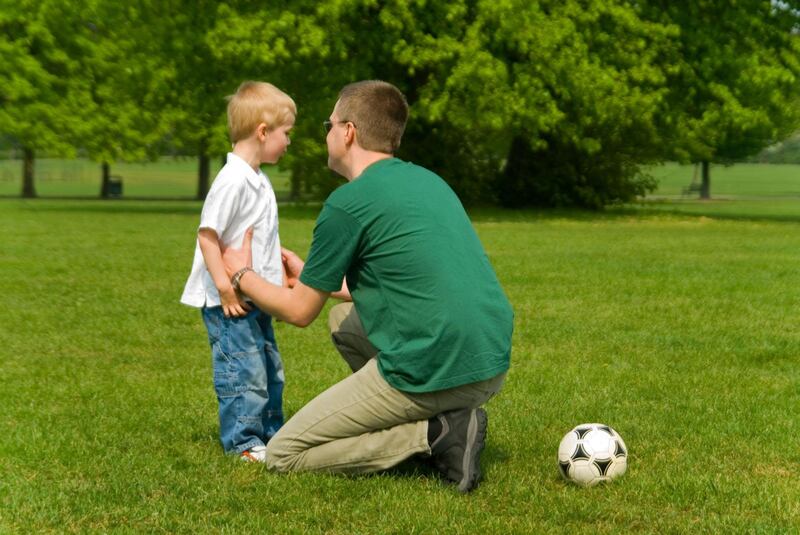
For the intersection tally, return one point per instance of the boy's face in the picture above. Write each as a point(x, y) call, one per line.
point(274, 142)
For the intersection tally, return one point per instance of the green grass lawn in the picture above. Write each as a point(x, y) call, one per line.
point(740, 181)
point(741, 191)
point(680, 329)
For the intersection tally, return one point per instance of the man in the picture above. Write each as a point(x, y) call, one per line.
point(428, 332)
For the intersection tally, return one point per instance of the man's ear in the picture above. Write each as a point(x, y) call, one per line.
point(350, 134)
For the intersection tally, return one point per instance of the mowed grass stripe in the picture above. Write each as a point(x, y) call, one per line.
point(679, 330)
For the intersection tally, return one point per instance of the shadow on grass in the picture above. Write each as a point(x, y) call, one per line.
point(415, 468)
point(720, 210)
point(129, 205)
point(760, 210)
point(422, 467)
point(752, 210)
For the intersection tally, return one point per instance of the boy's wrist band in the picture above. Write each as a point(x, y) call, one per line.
point(237, 277)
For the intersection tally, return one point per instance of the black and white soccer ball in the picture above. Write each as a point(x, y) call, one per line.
point(592, 453)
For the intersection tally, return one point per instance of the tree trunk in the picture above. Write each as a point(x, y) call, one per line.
point(705, 185)
point(294, 187)
point(202, 173)
point(517, 183)
point(28, 188)
point(105, 184)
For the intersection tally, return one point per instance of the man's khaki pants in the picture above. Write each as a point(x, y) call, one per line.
point(362, 424)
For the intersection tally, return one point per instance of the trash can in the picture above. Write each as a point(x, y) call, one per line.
point(115, 186)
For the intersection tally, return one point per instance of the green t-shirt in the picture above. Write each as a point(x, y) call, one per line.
point(420, 280)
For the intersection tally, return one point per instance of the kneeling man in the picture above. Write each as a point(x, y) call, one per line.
point(428, 331)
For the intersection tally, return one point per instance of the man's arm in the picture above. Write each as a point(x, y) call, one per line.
point(293, 266)
point(210, 247)
point(298, 304)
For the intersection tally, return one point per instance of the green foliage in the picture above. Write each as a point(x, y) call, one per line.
point(735, 88)
point(197, 83)
point(79, 80)
point(38, 102)
point(605, 82)
point(493, 86)
point(546, 102)
point(310, 50)
point(123, 85)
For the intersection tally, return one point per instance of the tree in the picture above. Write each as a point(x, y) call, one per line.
point(122, 86)
point(81, 77)
point(566, 94)
point(523, 102)
point(196, 82)
point(548, 102)
point(736, 86)
point(36, 83)
point(303, 47)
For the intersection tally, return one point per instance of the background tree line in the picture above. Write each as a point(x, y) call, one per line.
point(517, 102)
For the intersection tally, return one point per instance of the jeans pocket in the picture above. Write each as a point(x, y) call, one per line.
point(226, 376)
point(243, 335)
point(211, 321)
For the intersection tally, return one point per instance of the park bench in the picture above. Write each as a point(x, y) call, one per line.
point(694, 187)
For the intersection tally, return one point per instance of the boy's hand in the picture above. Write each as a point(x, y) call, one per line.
point(222, 263)
point(232, 304)
point(292, 266)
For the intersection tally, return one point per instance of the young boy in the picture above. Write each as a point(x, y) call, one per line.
point(248, 373)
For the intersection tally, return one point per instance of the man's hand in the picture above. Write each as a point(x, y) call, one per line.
point(212, 248)
point(292, 266)
point(232, 304)
point(236, 259)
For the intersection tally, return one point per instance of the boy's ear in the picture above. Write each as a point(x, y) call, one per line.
point(262, 130)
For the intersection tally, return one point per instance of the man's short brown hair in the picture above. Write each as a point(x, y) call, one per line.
point(378, 110)
point(255, 103)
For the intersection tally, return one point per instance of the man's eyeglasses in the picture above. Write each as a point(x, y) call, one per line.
point(329, 124)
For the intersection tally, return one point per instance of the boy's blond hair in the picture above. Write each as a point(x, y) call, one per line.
point(255, 103)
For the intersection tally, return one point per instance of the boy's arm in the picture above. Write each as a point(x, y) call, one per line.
point(232, 304)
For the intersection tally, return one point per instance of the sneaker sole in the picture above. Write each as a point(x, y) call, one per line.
point(476, 440)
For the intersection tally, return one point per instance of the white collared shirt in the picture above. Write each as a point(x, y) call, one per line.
point(239, 198)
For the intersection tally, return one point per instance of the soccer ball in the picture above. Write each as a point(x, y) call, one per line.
point(592, 453)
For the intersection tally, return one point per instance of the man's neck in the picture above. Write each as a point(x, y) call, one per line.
point(363, 160)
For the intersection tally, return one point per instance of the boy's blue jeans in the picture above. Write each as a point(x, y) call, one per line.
point(248, 377)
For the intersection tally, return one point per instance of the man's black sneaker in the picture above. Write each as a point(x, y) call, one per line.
point(457, 450)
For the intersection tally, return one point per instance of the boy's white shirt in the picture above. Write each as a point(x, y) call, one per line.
point(239, 198)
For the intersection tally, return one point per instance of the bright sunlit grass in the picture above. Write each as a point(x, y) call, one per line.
point(678, 329)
